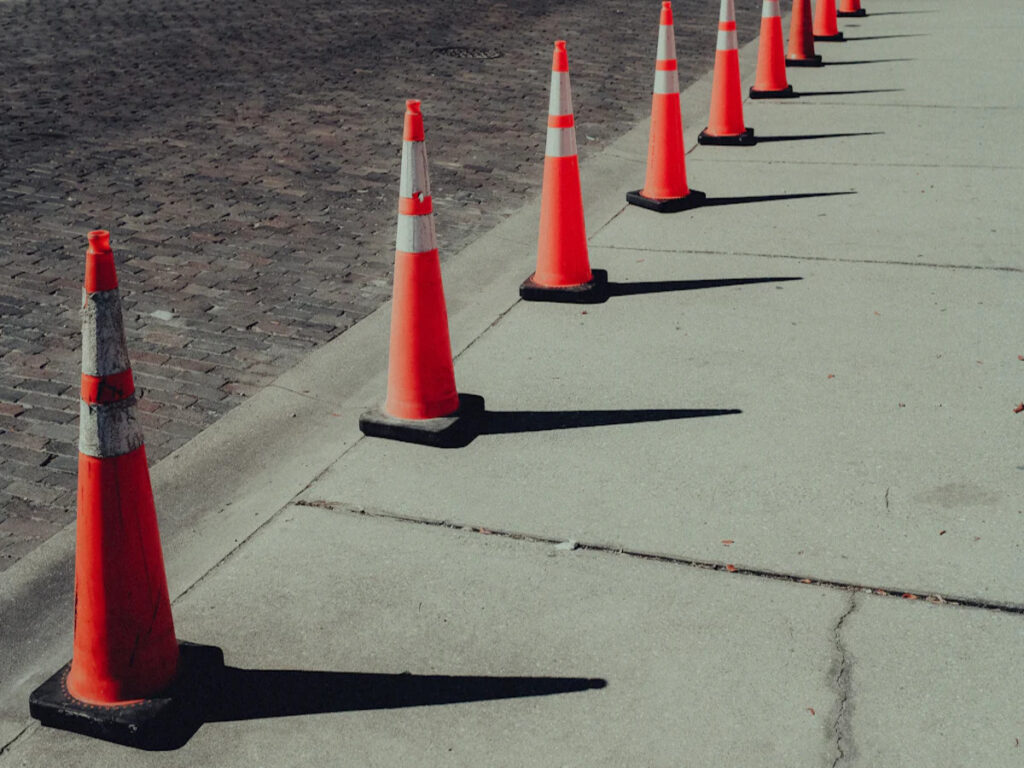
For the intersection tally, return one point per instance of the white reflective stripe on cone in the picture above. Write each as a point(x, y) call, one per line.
point(727, 11)
point(104, 351)
point(414, 176)
point(561, 142)
point(770, 9)
point(415, 233)
point(108, 429)
point(666, 42)
point(727, 40)
point(666, 81)
point(560, 102)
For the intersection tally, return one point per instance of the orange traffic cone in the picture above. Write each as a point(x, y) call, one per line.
point(825, 27)
point(422, 404)
point(126, 681)
point(801, 37)
point(563, 266)
point(850, 8)
point(725, 124)
point(771, 82)
point(665, 189)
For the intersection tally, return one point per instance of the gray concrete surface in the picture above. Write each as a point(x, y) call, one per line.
point(875, 453)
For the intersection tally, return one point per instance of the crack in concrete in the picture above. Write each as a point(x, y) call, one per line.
point(609, 221)
point(842, 723)
point(5, 748)
point(711, 565)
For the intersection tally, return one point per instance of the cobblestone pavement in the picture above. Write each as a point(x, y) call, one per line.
point(244, 154)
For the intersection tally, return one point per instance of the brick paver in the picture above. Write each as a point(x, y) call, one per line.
point(244, 154)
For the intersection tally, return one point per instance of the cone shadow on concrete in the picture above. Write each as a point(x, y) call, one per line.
point(883, 37)
point(252, 694)
point(666, 286)
point(863, 61)
point(743, 199)
point(608, 288)
point(848, 93)
point(812, 136)
point(487, 422)
point(513, 422)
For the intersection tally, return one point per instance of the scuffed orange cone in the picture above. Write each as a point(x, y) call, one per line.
point(422, 404)
point(826, 29)
point(771, 82)
point(725, 123)
point(850, 8)
point(127, 681)
point(801, 37)
point(563, 264)
point(665, 189)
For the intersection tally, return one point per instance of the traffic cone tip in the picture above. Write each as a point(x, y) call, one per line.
point(100, 274)
point(413, 130)
point(560, 58)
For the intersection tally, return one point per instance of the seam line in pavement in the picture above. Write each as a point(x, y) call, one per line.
point(797, 103)
point(848, 164)
point(698, 252)
point(711, 565)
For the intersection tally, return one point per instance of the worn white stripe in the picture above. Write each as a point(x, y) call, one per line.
point(560, 102)
point(770, 9)
point(727, 11)
point(103, 347)
point(415, 233)
point(108, 429)
point(727, 40)
point(561, 142)
point(666, 42)
point(666, 81)
point(415, 177)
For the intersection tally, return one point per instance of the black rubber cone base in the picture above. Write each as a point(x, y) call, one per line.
point(849, 14)
point(165, 721)
point(836, 38)
point(593, 292)
point(454, 431)
point(811, 61)
point(784, 93)
point(695, 199)
point(745, 139)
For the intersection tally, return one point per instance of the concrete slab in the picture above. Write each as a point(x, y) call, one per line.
point(807, 131)
point(924, 690)
point(899, 472)
point(929, 83)
point(942, 55)
point(379, 642)
point(861, 213)
point(366, 606)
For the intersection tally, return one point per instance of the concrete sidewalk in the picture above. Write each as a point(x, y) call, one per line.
point(693, 526)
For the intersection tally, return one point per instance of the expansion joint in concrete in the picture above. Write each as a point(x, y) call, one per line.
point(689, 562)
point(883, 262)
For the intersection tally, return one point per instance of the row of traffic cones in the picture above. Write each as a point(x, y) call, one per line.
point(130, 680)
point(420, 369)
